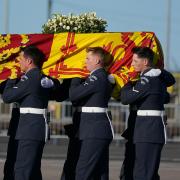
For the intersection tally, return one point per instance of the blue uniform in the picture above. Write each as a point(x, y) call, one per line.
point(31, 132)
point(149, 94)
point(2, 86)
point(12, 143)
point(126, 172)
point(95, 130)
point(60, 92)
point(74, 147)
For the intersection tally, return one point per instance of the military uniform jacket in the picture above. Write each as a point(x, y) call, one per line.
point(2, 86)
point(147, 94)
point(60, 92)
point(95, 91)
point(72, 130)
point(13, 123)
point(29, 93)
point(129, 132)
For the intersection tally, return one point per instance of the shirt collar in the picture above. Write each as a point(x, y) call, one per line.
point(145, 71)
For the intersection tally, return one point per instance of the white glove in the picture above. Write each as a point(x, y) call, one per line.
point(153, 73)
point(111, 79)
point(46, 82)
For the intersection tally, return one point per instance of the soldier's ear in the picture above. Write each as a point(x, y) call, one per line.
point(146, 62)
point(97, 60)
point(30, 61)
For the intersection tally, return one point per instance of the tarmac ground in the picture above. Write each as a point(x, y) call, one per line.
point(51, 169)
point(55, 153)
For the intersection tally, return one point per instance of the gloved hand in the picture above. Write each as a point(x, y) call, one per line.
point(153, 72)
point(111, 79)
point(46, 82)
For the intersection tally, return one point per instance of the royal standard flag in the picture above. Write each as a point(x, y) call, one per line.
point(66, 52)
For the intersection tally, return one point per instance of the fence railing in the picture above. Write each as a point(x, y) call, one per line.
point(61, 114)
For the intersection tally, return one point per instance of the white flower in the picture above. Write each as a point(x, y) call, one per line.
point(68, 28)
point(54, 26)
point(53, 20)
point(84, 23)
point(94, 13)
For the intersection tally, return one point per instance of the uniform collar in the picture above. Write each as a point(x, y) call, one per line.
point(31, 70)
point(96, 70)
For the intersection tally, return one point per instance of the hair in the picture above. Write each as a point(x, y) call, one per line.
point(98, 51)
point(144, 52)
point(37, 56)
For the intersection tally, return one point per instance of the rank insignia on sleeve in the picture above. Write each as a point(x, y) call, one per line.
point(144, 80)
point(93, 78)
point(24, 78)
point(135, 90)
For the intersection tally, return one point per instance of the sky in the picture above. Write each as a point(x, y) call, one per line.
point(28, 16)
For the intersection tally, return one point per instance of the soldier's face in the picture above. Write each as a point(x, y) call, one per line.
point(92, 61)
point(23, 61)
point(139, 64)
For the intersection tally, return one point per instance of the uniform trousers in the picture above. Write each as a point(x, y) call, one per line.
point(10, 158)
point(126, 172)
point(71, 159)
point(147, 160)
point(93, 162)
point(28, 161)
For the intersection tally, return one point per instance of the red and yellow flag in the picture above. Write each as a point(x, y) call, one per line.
point(65, 53)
